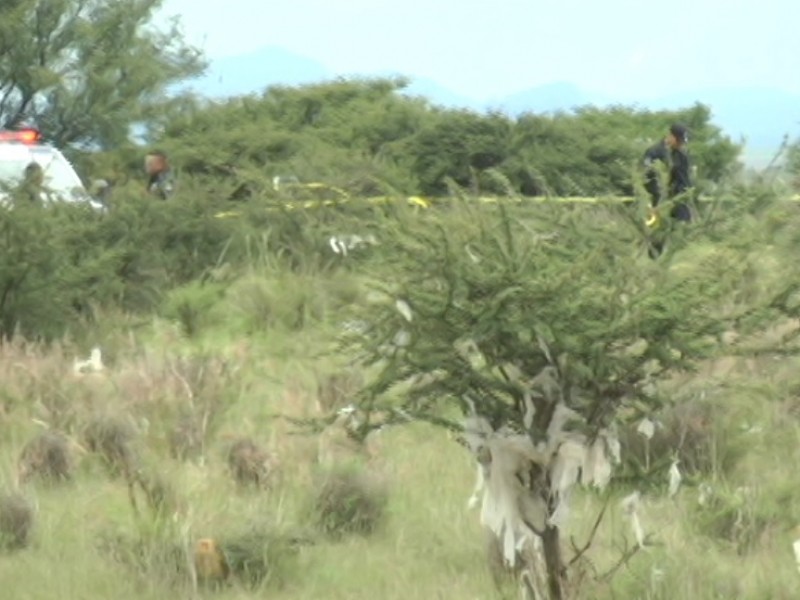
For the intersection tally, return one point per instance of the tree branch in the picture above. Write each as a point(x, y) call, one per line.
point(627, 555)
point(580, 552)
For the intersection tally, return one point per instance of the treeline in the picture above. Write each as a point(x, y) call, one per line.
point(89, 74)
point(367, 137)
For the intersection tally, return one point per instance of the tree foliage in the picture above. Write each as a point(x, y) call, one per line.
point(86, 70)
point(554, 323)
point(793, 163)
point(364, 136)
point(344, 133)
point(494, 291)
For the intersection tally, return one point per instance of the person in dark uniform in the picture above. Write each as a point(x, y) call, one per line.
point(671, 151)
point(159, 182)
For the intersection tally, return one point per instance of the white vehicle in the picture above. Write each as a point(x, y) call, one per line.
point(19, 148)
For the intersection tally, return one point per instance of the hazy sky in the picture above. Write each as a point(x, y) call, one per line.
point(623, 48)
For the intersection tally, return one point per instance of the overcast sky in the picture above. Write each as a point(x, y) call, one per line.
point(623, 48)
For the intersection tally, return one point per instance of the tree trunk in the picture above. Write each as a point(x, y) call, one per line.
point(551, 542)
point(541, 573)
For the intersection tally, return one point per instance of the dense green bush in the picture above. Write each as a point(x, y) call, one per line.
point(61, 263)
point(50, 271)
point(366, 138)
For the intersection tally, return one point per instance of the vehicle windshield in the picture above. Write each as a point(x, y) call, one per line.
point(11, 171)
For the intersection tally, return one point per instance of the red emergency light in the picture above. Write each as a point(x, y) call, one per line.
point(23, 136)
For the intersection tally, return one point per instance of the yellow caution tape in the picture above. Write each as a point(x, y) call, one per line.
point(418, 201)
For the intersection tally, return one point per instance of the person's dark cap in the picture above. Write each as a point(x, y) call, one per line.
point(681, 132)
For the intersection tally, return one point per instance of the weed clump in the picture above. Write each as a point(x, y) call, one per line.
point(261, 554)
point(186, 439)
point(112, 438)
point(152, 555)
point(348, 500)
point(695, 433)
point(337, 390)
point(16, 521)
point(743, 517)
point(250, 464)
point(46, 456)
point(160, 494)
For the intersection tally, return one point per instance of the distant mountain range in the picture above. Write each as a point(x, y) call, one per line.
point(759, 116)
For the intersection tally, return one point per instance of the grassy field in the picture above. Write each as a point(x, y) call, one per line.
point(738, 545)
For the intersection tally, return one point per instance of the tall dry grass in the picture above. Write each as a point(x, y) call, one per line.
point(726, 534)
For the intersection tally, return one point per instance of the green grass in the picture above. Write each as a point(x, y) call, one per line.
point(430, 545)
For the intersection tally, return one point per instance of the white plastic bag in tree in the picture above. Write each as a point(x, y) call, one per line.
point(480, 484)
point(597, 469)
point(601, 455)
point(565, 472)
point(556, 433)
point(404, 309)
point(630, 507)
point(509, 510)
point(646, 428)
point(567, 466)
point(612, 445)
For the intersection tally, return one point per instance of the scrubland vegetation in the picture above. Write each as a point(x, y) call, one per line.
point(223, 355)
point(269, 418)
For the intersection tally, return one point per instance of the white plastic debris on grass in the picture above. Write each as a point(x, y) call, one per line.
point(473, 257)
point(796, 548)
point(94, 364)
point(355, 326)
point(705, 491)
point(674, 479)
point(630, 508)
point(343, 244)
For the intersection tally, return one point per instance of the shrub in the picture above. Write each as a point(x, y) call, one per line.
point(113, 438)
point(186, 439)
point(192, 306)
point(337, 390)
point(741, 515)
point(16, 521)
point(250, 464)
point(348, 500)
point(261, 554)
point(150, 554)
point(46, 456)
point(50, 272)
